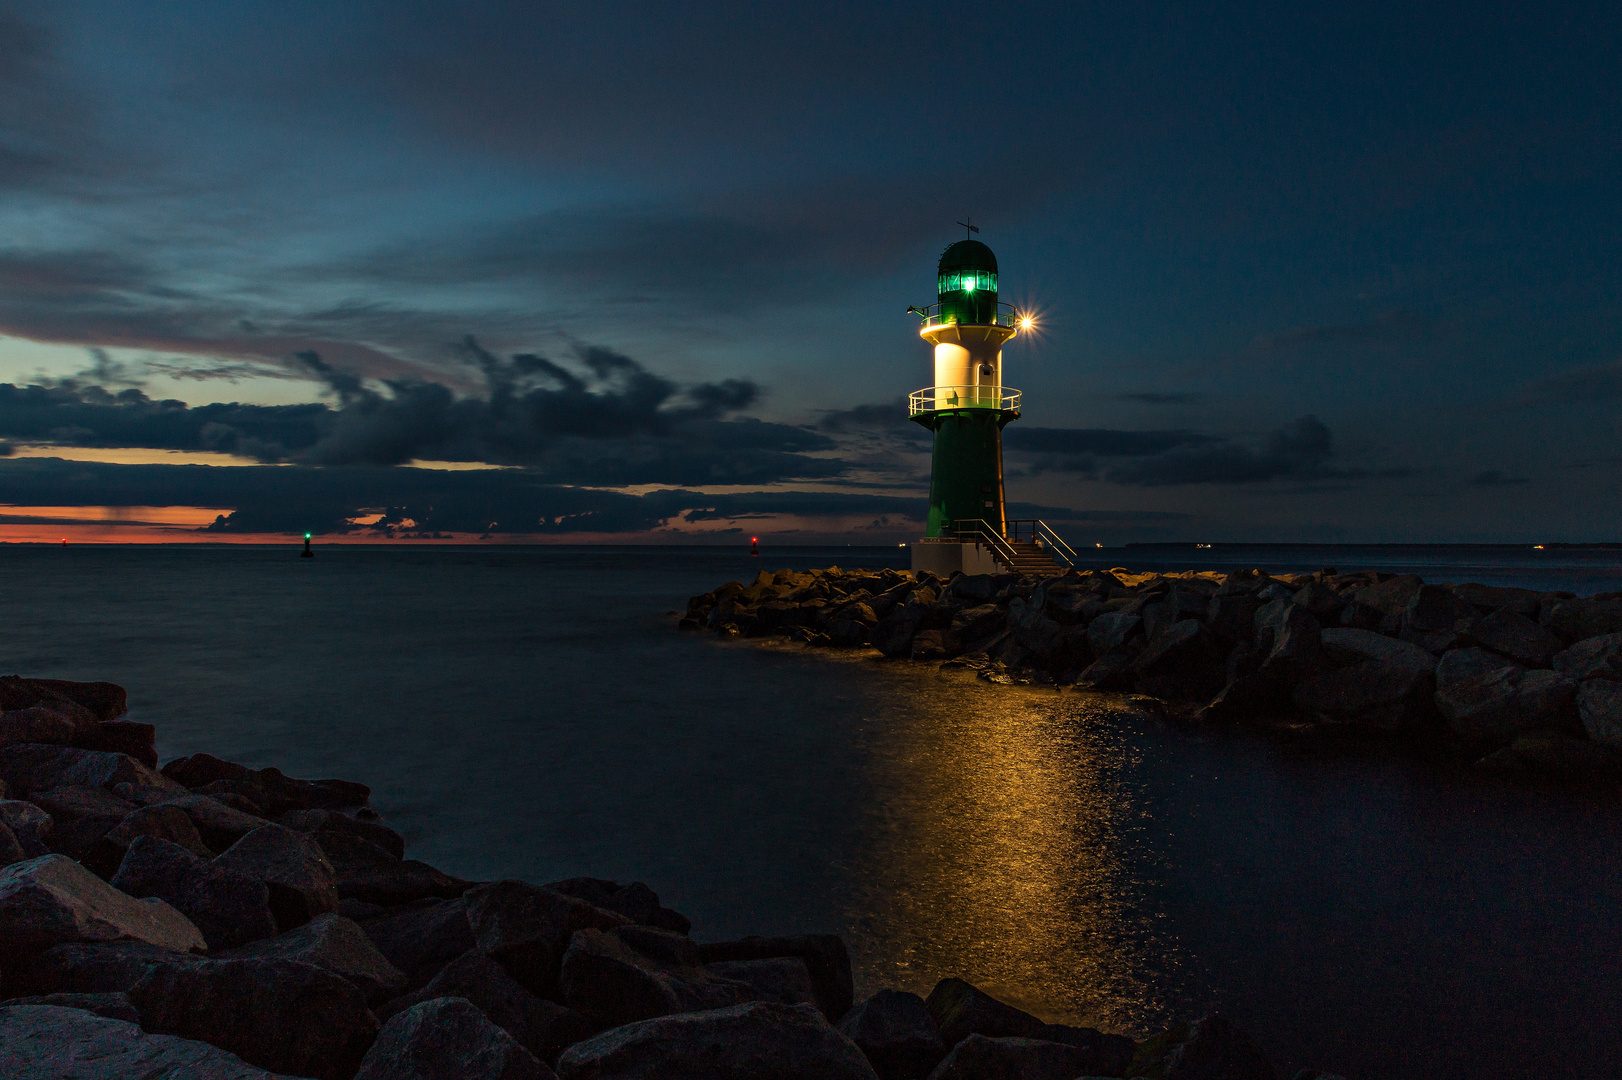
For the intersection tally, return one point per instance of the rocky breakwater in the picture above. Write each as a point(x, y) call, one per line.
point(208, 921)
point(1511, 679)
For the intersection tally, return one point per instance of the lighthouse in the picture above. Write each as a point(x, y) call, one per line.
point(966, 408)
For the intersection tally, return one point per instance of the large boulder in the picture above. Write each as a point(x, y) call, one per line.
point(1490, 598)
point(292, 866)
point(1599, 705)
point(217, 824)
point(52, 900)
point(447, 1038)
point(825, 956)
point(362, 870)
point(11, 850)
point(1390, 597)
point(336, 944)
point(1514, 636)
point(73, 1044)
point(101, 700)
point(1433, 608)
point(1111, 630)
point(980, 1058)
point(1289, 640)
point(163, 822)
point(421, 938)
point(35, 724)
point(1574, 620)
point(758, 1041)
point(783, 979)
point(28, 823)
point(113, 1006)
point(1232, 616)
point(1381, 682)
point(33, 767)
point(897, 1033)
point(961, 1009)
point(229, 908)
point(636, 973)
point(82, 816)
point(635, 901)
point(363, 823)
point(1592, 658)
point(1210, 1048)
point(894, 633)
point(543, 1027)
point(1484, 697)
point(526, 928)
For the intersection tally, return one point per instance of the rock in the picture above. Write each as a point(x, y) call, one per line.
point(1357, 645)
point(1490, 598)
point(11, 850)
point(300, 879)
point(1514, 636)
point(1599, 705)
point(229, 908)
point(447, 1039)
point(1232, 617)
point(422, 937)
point(542, 1027)
point(1372, 694)
point(278, 1014)
point(825, 956)
point(1111, 671)
point(276, 793)
point(935, 645)
point(35, 724)
point(53, 900)
point(1110, 1054)
point(318, 820)
point(1274, 593)
point(1179, 643)
point(335, 944)
point(783, 979)
point(364, 871)
point(1592, 658)
point(973, 624)
point(894, 633)
point(203, 769)
point(1211, 1048)
point(758, 1041)
point(613, 981)
point(1574, 620)
point(102, 700)
point(81, 816)
point(1485, 697)
point(153, 866)
point(980, 1058)
point(219, 825)
point(139, 741)
point(72, 1044)
point(961, 1010)
point(112, 1006)
point(1390, 597)
point(35, 767)
point(897, 1033)
point(163, 822)
point(635, 901)
point(1555, 753)
point(1433, 608)
point(526, 928)
point(28, 823)
point(1111, 630)
point(1320, 601)
point(1289, 640)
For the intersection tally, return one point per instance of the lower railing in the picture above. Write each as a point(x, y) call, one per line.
point(1040, 533)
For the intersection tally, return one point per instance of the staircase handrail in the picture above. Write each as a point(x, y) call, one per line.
point(979, 531)
point(1043, 535)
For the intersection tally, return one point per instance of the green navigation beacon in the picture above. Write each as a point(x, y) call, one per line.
point(966, 409)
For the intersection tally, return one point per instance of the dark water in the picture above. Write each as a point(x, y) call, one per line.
point(533, 713)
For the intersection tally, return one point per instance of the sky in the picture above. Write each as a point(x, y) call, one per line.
point(638, 273)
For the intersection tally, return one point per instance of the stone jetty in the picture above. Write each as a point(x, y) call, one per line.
point(1512, 680)
point(209, 921)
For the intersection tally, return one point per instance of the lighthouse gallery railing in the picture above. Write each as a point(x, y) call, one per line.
point(940, 398)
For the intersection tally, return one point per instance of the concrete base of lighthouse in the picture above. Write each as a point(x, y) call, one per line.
point(946, 557)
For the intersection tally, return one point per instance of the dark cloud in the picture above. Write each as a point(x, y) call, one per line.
point(1150, 397)
point(1600, 382)
point(1100, 442)
point(1497, 478)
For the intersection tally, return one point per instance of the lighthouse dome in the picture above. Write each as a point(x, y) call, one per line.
point(968, 283)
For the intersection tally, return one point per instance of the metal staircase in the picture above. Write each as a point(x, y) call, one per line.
point(1029, 547)
point(1029, 557)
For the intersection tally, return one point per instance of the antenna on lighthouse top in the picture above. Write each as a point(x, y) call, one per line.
point(966, 225)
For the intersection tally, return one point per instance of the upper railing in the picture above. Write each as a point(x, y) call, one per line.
point(1038, 533)
point(939, 398)
point(1007, 315)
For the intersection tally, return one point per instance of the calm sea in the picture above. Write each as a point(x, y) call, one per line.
point(532, 712)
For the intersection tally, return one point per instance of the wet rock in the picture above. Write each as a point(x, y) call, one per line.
point(1599, 705)
point(35, 724)
point(52, 900)
point(27, 768)
point(1592, 658)
point(825, 956)
point(1389, 597)
point(897, 1033)
point(28, 823)
point(616, 979)
point(972, 624)
point(364, 871)
point(318, 820)
point(163, 822)
point(1211, 1048)
point(228, 907)
point(72, 1044)
point(447, 1039)
point(1490, 598)
point(335, 944)
point(1372, 694)
point(757, 1041)
point(961, 1010)
point(292, 866)
point(783, 979)
point(1485, 697)
point(112, 1006)
point(1514, 636)
point(894, 633)
point(421, 938)
point(935, 645)
point(526, 928)
point(635, 901)
point(1574, 620)
point(278, 1014)
point(217, 824)
point(542, 1027)
point(1111, 671)
point(980, 1058)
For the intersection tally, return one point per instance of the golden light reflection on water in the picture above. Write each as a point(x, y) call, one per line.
point(1000, 833)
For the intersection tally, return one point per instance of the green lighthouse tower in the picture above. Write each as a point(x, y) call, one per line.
point(966, 409)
